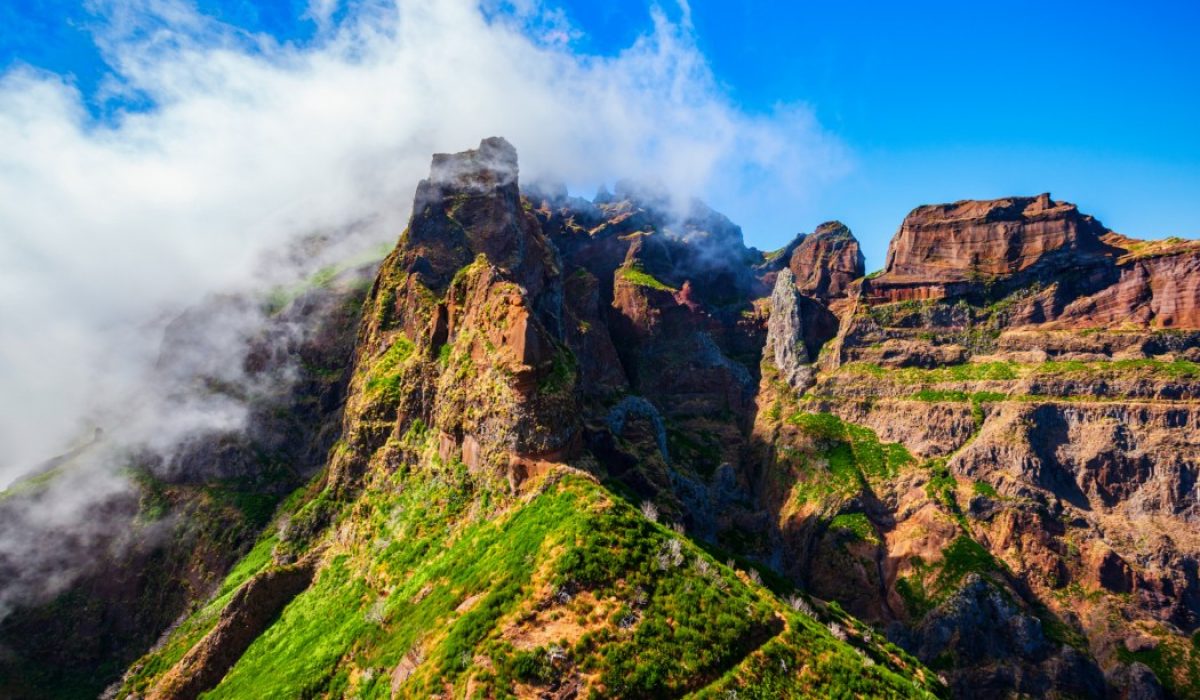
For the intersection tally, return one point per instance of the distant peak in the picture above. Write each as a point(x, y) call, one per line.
point(832, 229)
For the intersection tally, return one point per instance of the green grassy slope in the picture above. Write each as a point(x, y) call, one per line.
point(425, 589)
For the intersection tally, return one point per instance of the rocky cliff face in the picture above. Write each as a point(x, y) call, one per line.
point(1087, 276)
point(826, 262)
point(1028, 358)
point(984, 458)
point(536, 382)
point(980, 239)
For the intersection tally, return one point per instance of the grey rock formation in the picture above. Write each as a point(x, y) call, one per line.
point(785, 334)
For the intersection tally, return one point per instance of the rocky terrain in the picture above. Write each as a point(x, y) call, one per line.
point(603, 449)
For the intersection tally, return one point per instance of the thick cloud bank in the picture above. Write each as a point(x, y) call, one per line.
point(108, 228)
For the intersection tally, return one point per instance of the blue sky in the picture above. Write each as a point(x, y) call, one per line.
point(1096, 102)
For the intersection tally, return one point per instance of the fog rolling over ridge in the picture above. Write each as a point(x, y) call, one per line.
point(553, 349)
point(221, 149)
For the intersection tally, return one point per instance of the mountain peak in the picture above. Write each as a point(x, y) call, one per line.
point(493, 164)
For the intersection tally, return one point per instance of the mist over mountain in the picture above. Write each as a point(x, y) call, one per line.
point(300, 398)
point(263, 169)
point(869, 446)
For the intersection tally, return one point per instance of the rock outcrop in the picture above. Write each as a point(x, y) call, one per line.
point(785, 334)
point(1071, 271)
point(1158, 286)
point(253, 607)
point(796, 330)
point(827, 261)
point(996, 238)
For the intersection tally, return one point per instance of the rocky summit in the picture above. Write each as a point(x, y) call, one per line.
point(571, 448)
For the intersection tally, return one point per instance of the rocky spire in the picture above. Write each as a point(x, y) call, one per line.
point(785, 334)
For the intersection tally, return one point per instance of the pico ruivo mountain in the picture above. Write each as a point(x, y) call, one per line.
point(564, 448)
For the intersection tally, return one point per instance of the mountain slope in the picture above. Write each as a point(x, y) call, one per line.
point(566, 590)
point(98, 584)
point(461, 542)
point(563, 415)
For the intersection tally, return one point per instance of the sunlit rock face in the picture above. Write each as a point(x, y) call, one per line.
point(827, 261)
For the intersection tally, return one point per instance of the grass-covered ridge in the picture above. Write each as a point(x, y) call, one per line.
point(441, 590)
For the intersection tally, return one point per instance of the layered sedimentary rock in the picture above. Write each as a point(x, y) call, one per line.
point(980, 239)
point(987, 452)
point(1158, 285)
point(1085, 276)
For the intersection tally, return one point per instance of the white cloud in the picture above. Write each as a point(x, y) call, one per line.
point(321, 12)
point(105, 227)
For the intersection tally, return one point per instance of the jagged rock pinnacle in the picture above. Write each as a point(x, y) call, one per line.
point(785, 334)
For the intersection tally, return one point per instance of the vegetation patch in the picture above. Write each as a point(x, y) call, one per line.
point(963, 556)
point(420, 603)
point(198, 624)
point(635, 274)
point(561, 377)
point(851, 456)
point(1178, 369)
point(941, 396)
point(1175, 661)
point(1175, 369)
point(383, 377)
point(970, 371)
point(856, 525)
point(278, 298)
point(983, 488)
point(930, 583)
point(941, 487)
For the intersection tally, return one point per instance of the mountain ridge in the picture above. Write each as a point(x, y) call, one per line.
point(959, 451)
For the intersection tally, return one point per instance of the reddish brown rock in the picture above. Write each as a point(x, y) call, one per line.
point(537, 330)
point(943, 250)
point(954, 242)
point(254, 606)
point(1053, 266)
point(823, 263)
point(1161, 291)
point(912, 353)
point(826, 262)
point(475, 287)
